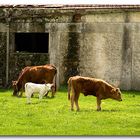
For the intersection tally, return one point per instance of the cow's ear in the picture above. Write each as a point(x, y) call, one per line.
point(117, 89)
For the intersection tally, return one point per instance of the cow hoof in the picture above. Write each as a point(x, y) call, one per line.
point(32, 96)
point(72, 109)
point(99, 109)
point(14, 95)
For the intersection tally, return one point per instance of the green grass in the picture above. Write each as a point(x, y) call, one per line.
point(52, 116)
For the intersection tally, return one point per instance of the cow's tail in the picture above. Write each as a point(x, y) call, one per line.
point(55, 79)
point(69, 88)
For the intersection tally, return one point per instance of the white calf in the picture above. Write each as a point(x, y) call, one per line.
point(30, 88)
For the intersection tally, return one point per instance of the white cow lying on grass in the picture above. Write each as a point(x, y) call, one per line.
point(31, 88)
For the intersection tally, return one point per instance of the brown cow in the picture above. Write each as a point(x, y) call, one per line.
point(91, 86)
point(36, 74)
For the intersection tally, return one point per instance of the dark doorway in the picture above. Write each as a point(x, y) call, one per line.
point(32, 42)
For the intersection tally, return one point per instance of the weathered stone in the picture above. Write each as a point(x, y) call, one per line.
point(101, 43)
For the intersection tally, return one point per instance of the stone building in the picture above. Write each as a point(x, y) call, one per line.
point(100, 41)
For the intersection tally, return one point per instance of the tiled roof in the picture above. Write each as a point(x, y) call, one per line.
point(77, 6)
point(104, 6)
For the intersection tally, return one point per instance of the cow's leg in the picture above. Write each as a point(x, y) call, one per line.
point(28, 94)
point(15, 93)
point(76, 101)
point(53, 91)
point(53, 94)
point(20, 92)
point(29, 98)
point(98, 104)
point(72, 99)
point(40, 95)
point(72, 102)
point(32, 95)
point(20, 95)
point(46, 94)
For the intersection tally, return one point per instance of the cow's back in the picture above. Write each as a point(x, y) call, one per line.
point(37, 74)
point(86, 85)
point(42, 74)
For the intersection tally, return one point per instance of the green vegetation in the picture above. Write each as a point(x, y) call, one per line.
point(52, 116)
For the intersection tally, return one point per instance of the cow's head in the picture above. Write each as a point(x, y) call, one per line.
point(14, 85)
point(116, 94)
point(51, 88)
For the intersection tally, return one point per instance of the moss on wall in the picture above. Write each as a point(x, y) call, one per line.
point(71, 60)
point(20, 60)
point(2, 58)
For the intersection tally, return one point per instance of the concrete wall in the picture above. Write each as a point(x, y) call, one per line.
point(2, 58)
point(102, 44)
point(109, 48)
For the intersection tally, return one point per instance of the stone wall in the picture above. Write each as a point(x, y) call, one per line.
point(2, 59)
point(111, 48)
point(102, 44)
point(20, 60)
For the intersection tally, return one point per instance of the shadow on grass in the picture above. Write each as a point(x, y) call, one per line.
point(45, 97)
point(112, 110)
point(37, 102)
point(32, 103)
point(48, 97)
point(93, 110)
point(82, 110)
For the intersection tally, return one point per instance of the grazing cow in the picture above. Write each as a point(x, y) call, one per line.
point(91, 86)
point(35, 74)
point(42, 89)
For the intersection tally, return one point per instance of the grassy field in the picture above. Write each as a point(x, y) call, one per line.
point(52, 116)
